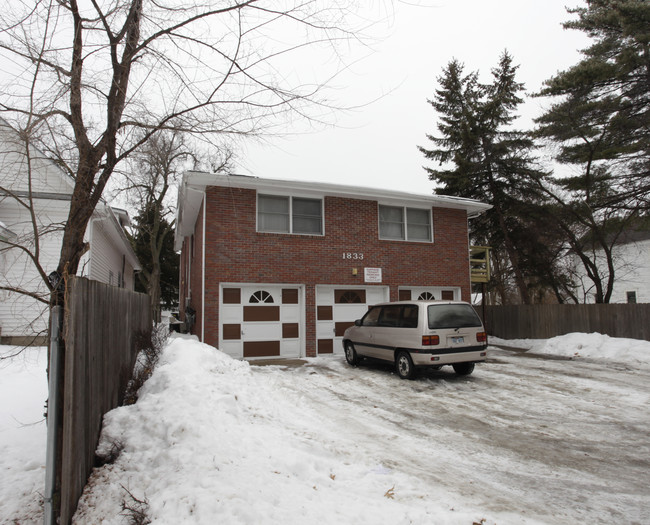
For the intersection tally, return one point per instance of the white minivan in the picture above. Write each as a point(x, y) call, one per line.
point(414, 334)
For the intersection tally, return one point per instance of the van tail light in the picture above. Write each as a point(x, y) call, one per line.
point(481, 337)
point(430, 340)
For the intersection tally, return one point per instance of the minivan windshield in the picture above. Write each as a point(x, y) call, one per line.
point(452, 316)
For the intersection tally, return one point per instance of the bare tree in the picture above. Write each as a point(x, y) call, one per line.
point(147, 184)
point(592, 231)
point(92, 81)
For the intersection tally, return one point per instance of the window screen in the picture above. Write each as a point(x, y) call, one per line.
point(418, 225)
point(307, 216)
point(279, 214)
point(273, 214)
point(407, 224)
point(391, 222)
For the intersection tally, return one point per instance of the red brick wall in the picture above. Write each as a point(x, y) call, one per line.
point(235, 252)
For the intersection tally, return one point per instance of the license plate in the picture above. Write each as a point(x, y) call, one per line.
point(457, 340)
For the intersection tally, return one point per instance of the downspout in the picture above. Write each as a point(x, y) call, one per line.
point(205, 233)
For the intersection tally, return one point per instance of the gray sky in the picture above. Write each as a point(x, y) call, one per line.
point(375, 145)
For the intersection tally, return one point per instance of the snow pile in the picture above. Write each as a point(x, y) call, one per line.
point(214, 440)
point(23, 391)
point(593, 346)
point(209, 441)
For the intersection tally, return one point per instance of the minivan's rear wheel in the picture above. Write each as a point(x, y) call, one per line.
point(351, 354)
point(404, 365)
point(463, 369)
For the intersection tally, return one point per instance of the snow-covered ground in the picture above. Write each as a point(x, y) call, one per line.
point(578, 345)
point(23, 391)
point(528, 438)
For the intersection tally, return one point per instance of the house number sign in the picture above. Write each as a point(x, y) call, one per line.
point(352, 256)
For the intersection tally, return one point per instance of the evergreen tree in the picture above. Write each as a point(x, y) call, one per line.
point(601, 127)
point(481, 156)
point(153, 243)
point(602, 118)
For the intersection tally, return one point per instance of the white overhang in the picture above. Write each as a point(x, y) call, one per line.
point(113, 228)
point(192, 188)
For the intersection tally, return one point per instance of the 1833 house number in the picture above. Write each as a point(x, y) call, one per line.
point(352, 256)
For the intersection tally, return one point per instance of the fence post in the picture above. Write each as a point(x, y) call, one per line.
point(53, 419)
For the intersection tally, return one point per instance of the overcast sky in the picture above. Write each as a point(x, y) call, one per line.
point(376, 145)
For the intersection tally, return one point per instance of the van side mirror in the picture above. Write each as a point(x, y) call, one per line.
point(357, 322)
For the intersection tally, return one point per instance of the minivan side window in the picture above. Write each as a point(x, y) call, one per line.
point(410, 316)
point(402, 316)
point(452, 316)
point(390, 315)
point(371, 317)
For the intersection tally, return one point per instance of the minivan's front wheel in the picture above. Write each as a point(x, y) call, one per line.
point(463, 369)
point(404, 365)
point(351, 354)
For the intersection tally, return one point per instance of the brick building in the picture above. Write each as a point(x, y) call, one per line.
point(281, 268)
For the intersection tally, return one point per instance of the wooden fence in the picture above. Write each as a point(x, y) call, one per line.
point(542, 321)
point(101, 326)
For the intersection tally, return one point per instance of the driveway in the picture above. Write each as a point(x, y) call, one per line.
point(548, 440)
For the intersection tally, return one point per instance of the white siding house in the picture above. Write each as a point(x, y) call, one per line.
point(34, 202)
point(631, 266)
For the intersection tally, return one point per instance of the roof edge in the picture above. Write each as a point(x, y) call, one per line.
point(200, 180)
point(193, 185)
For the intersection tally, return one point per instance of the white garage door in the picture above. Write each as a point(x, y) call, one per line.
point(429, 293)
point(261, 321)
point(337, 307)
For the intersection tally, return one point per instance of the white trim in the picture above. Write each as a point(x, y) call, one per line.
point(203, 269)
point(91, 242)
point(201, 179)
point(194, 181)
point(469, 267)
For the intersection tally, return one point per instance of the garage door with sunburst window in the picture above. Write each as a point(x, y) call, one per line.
point(261, 321)
point(429, 293)
point(337, 307)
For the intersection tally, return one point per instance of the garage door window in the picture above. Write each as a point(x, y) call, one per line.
point(349, 296)
point(261, 296)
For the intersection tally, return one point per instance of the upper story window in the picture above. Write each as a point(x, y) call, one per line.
point(279, 214)
point(406, 224)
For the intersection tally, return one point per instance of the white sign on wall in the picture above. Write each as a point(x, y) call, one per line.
point(372, 275)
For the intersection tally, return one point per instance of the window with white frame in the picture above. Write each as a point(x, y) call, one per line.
point(406, 224)
point(280, 214)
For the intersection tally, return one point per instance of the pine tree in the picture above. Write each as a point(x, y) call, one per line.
point(481, 156)
point(602, 118)
point(600, 123)
point(153, 243)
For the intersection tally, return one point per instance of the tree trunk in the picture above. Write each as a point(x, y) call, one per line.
point(153, 289)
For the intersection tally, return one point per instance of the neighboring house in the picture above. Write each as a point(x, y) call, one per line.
point(281, 268)
point(38, 228)
point(631, 255)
